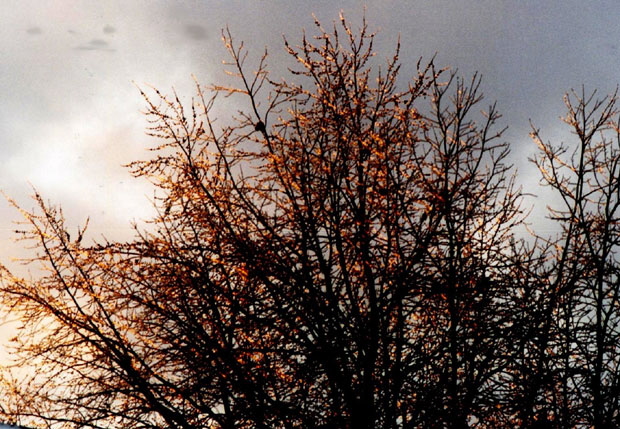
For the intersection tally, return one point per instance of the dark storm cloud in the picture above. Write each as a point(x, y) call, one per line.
point(34, 30)
point(195, 32)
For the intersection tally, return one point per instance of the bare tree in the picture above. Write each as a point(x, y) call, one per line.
point(340, 256)
point(468, 314)
point(582, 355)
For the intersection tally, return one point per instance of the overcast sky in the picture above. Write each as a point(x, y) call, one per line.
point(70, 111)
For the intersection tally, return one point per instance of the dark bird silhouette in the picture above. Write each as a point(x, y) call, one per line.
point(260, 127)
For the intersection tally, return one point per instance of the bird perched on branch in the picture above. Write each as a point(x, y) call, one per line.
point(260, 127)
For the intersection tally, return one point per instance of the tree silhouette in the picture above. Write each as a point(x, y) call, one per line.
point(584, 270)
point(339, 255)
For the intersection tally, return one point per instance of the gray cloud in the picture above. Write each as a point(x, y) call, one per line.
point(96, 45)
point(196, 32)
point(529, 53)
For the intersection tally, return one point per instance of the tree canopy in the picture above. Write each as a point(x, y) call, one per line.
point(342, 253)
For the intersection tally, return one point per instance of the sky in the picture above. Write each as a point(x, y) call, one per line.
point(70, 109)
